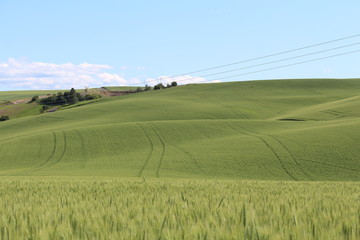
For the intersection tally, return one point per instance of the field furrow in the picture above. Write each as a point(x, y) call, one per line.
point(63, 150)
point(277, 155)
point(299, 167)
point(150, 152)
point(83, 149)
point(278, 158)
point(195, 164)
point(235, 126)
point(52, 152)
point(163, 148)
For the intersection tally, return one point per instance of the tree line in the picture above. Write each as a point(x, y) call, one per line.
point(72, 97)
point(161, 86)
point(4, 118)
point(68, 97)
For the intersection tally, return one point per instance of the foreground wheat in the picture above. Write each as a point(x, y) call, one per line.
point(100, 208)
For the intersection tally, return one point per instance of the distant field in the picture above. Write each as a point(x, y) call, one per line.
point(111, 208)
point(298, 130)
point(20, 110)
point(122, 88)
point(12, 95)
point(25, 108)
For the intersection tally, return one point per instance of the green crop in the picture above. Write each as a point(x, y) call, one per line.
point(246, 160)
point(300, 130)
point(104, 208)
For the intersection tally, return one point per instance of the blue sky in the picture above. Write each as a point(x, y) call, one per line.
point(62, 44)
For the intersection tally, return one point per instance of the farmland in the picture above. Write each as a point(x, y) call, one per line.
point(109, 208)
point(275, 159)
point(12, 95)
point(260, 130)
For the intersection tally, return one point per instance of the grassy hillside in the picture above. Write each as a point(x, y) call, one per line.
point(269, 130)
point(12, 95)
point(20, 110)
point(17, 104)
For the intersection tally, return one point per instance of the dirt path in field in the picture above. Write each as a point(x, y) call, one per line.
point(24, 100)
point(20, 101)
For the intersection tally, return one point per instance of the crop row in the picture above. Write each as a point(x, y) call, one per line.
point(110, 208)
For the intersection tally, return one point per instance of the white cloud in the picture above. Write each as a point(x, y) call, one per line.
point(113, 79)
point(22, 74)
point(187, 79)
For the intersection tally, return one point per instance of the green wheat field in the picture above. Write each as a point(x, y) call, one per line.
point(275, 159)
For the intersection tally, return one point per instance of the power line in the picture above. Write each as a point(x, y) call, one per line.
point(267, 63)
point(262, 57)
point(281, 60)
point(283, 66)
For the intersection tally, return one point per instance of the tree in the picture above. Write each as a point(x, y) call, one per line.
point(174, 84)
point(34, 99)
point(60, 99)
point(73, 99)
point(80, 97)
point(67, 96)
point(147, 87)
point(92, 96)
point(159, 86)
point(168, 85)
point(4, 118)
point(44, 108)
point(72, 96)
point(49, 100)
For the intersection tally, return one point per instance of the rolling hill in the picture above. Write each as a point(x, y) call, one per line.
point(300, 129)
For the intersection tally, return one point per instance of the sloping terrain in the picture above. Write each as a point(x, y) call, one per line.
point(278, 130)
point(27, 94)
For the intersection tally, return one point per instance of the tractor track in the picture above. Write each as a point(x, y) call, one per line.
point(62, 153)
point(52, 153)
point(193, 160)
point(162, 152)
point(277, 156)
point(250, 135)
point(292, 157)
point(58, 159)
point(82, 147)
point(150, 153)
point(45, 164)
point(42, 165)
